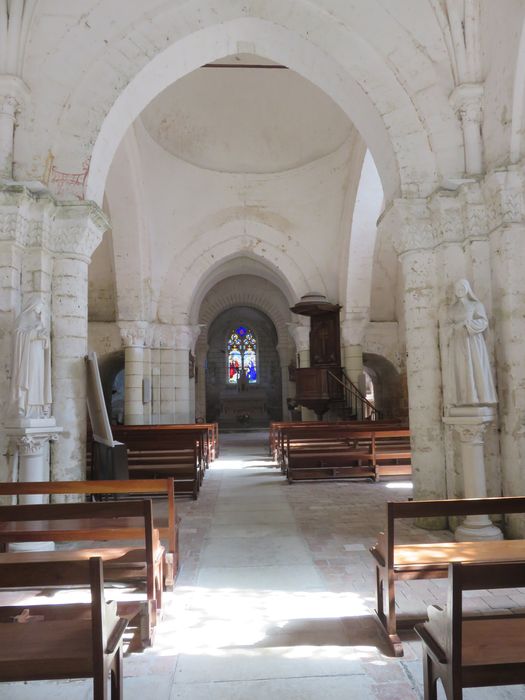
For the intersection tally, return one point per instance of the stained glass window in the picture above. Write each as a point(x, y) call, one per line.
point(242, 356)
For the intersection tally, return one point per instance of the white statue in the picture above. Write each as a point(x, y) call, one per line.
point(469, 372)
point(31, 362)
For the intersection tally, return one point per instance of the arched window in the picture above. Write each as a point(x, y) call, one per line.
point(242, 356)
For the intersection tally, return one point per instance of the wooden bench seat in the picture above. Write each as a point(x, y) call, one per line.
point(64, 647)
point(401, 561)
point(339, 457)
point(475, 650)
point(86, 522)
point(169, 532)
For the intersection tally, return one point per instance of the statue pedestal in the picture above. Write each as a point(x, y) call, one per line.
point(29, 437)
point(470, 422)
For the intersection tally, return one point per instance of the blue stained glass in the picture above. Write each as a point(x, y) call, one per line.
point(242, 356)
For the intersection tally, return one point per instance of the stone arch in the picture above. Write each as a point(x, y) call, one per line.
point(250, 291)
point(395, 113)
point(211, 249)
point(389, 390)
point(516, 145)
point(247, 290)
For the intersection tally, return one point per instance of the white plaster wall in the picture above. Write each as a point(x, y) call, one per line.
point(103, 338)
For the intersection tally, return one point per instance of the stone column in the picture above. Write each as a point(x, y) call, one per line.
point(201, 353)
point(352, 332)
point(185, 337)
point(414, 241)
point(301, 336)
point(466, 100)
point(13, 93)
point(504, 194)
point(155, 376)
point(167, 375)
point(470, 424)
point(31, 447)
point(133, 334)
point(75, 233)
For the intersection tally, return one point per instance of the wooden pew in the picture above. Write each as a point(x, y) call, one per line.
point(395, 561)
point(471, 651)
point(64, 648)
point(278, 430)
point(138, 487)
point(115, 521)
point(330, 458)
point(166, 450)
point(392, 452)
point(288, 433)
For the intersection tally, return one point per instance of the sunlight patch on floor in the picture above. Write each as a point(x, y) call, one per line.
point(213, 621)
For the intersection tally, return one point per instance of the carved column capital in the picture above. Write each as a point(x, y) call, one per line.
point(14, 94)
point(185, 336)
point(300, 335)
point(466, 100)
point(447, 218)
point(353, 327)
point(31, 441)
point(77, 229)
point(504, 197)
point(133, 333)
point(411, 226)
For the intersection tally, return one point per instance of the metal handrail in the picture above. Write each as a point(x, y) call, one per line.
point(357, 402)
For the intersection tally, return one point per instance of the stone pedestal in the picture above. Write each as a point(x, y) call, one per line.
point(29, 439)
point(470, 422)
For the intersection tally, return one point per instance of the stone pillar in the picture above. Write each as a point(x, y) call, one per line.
point(133, 334)
point(185, 337)
point(414, 241)
point(167, 375)
point(352, 332)
point(504, 194)
point(470, 424)
point(13, 93)
point(155, 376)
point(466, 100)
point(76, 231)
point(301, 336)
point(146, 382)
point(201, 355)
point(31, 448)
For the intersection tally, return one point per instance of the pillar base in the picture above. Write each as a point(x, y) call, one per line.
point(464, 533)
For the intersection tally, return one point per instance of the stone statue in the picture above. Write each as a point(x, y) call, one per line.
point(469, 372)
point(31, 362)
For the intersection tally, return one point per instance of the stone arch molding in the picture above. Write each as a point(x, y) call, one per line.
point(394, 114)
point(278, 250)
point(253, 291)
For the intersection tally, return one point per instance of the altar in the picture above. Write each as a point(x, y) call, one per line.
point(243, 409)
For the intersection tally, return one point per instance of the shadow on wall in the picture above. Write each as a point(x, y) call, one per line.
point(389, 392)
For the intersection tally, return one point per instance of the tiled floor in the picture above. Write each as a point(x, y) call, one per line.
point(275, 594)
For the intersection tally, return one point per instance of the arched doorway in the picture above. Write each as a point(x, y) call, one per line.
point(243, 381)
point(387, 388)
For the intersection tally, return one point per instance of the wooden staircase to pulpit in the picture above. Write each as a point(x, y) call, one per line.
point(324, 385)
